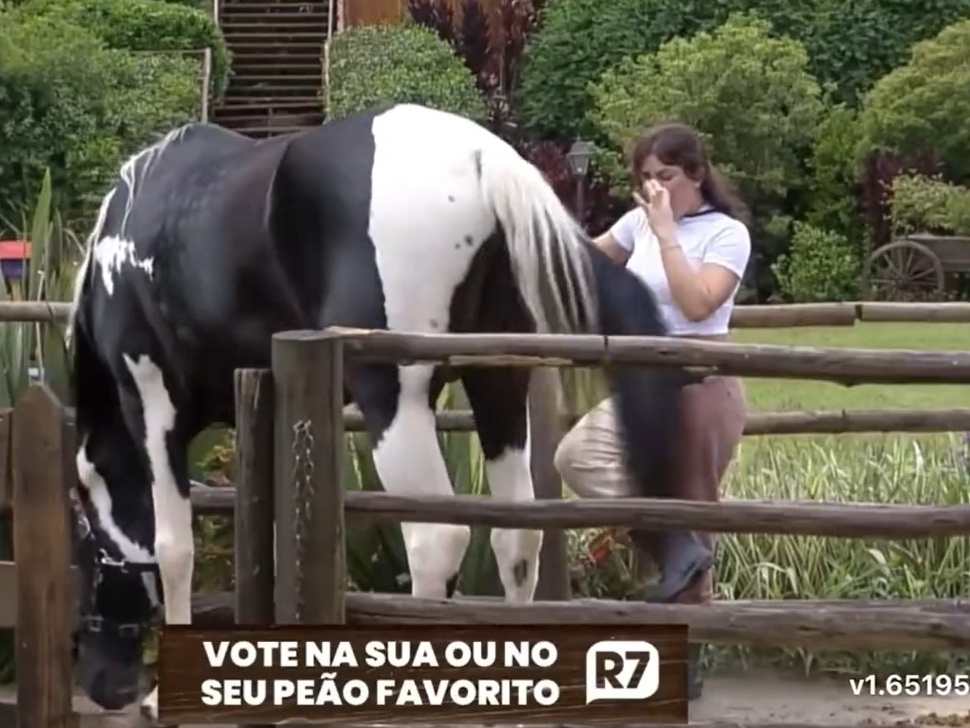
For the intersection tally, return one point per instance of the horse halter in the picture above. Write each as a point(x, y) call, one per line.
point(90, 621)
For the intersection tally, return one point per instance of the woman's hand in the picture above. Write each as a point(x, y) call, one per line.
point(658, 210)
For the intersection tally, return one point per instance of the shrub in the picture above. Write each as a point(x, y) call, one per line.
point(923, 106)
point(820, 265)
point(494, 65)
point(379, 65)
point(147, 25)
point(580, 39)
point(849, 45)
point(920, 203)
point(836, 179)
point(79, 108)
point(750, 95)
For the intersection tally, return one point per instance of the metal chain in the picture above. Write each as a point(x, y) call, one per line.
point(303, 487)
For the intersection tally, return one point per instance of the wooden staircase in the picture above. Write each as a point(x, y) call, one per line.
point(277, 50)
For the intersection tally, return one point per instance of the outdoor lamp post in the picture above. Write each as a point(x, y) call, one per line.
point(579, 155)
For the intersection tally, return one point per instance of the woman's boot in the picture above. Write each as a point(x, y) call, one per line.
point(684, 559)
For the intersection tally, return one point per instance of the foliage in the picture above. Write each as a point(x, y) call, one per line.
point(893, 469)
point(748, 93)
point(31, 351)
point(836, 179)
point(147, 25)
point(751, 97)
point(928, 204)
point(79, 109)
point(849, 45)
point(880, 169)
point(922, 106)
point(580, 39)
point(494, 65)
point(379, 65)
point(820, 265)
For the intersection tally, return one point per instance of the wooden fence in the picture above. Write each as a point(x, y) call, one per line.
point(774, 316)
point(305, 386)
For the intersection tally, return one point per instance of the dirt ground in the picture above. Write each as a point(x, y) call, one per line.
point(756, 696)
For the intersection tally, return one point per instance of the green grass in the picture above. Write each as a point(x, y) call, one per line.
point(794, 394)
point(880, 468)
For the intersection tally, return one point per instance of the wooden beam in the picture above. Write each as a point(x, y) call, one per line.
point(786, 315)
point(43, 466)
point(897, 625)
point(553, 580)
point(806, 518)
point(253, 542)
point(765, 423)
point(951, 312)
point(793, 315)
point(308, 444)
point(847, 366)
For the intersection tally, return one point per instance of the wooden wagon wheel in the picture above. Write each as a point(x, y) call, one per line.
point(905, 267)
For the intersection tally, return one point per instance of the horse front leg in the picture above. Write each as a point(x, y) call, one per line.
point(166, 457)
point(396, 405)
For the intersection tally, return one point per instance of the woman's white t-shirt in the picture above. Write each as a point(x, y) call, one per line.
point(707, 236)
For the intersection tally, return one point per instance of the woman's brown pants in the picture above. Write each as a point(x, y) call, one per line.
point(590, 458)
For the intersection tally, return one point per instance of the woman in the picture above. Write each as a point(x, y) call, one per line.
point(688, 240)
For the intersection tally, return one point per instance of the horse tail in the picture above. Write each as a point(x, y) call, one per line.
point(571, 287)
point(549, 250)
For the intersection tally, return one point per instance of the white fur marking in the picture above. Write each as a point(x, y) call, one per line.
point(111, 253)
point(134, 171)
point(101, 501)
point(509, 479)
point(409, 462)
point(419, 162)
point(82, 269)
point(174, 547)
point(429, 146)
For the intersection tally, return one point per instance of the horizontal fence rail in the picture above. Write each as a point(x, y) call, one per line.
point(765, 423)
point(846, 624)
point(843, 365)
point(805, 518)
point(772, 316)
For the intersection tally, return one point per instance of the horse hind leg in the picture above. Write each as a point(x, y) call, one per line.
point(396, 405)
point(499, 402)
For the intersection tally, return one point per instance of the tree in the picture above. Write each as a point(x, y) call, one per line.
point(378, 65)
point(923, 107)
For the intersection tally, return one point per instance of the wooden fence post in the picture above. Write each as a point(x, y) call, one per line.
point(545, 432)
point(253, 541)
point(43, 473)
point(309, 436)
point(253, 557)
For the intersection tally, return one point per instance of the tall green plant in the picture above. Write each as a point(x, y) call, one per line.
point(48, 276)
point(27, 346)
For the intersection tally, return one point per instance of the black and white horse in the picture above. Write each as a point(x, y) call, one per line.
point(404, 218)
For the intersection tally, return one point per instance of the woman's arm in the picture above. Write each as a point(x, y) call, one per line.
point(617, 242)
point(609, 245)
point(698, 293)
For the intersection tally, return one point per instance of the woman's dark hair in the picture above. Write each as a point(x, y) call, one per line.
point(680, 145)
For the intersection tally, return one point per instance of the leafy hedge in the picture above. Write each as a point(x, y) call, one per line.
point(850, 45)
point(146, 25)
point(924, 106)
point(378, 65)
point(80, 108)
point(922, 204)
